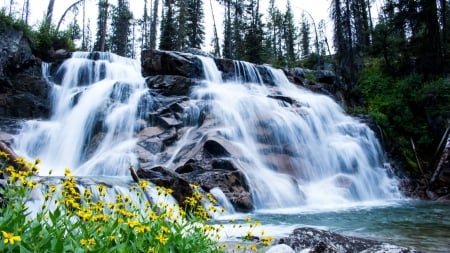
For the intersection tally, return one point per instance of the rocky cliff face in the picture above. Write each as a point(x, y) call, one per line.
point(23, 91)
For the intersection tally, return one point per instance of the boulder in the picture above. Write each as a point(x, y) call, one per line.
point(315, 240)
point(171, 85)
point(158, 62)
point(163, 177)
point(16, 55)
point(23, 92)
point(221, 173)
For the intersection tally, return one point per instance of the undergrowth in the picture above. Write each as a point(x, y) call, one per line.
point(72, 219)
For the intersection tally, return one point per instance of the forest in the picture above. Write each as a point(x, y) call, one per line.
point(393, 66)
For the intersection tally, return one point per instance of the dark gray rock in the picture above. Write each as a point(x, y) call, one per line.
point(16, 54)
point(221, 173)
point(157, 62)
point(171, 85)
point(23, 92)
point(163, 177)
point(321, 241)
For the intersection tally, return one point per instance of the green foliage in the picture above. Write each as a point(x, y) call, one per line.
point(403, 107)
point(7, 22)
point(47, 37)
point(73, 219)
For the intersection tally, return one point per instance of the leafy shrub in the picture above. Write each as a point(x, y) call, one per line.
point(403, 106)
point(7, 22)
point(47, 37)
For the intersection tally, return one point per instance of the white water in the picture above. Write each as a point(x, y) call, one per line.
point(96, 103)
point(296, 149)
point(330, 160)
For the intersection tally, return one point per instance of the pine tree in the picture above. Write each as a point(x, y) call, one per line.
point(154, 25)
point(289, 35)
point(120, 29)
point(168, 27)
point(194, 26)
point(181, 12)
point(305, 36)
point(227, 31)
point(253, 33)
point(102, 22)
point(273, 47)
point(145, 26)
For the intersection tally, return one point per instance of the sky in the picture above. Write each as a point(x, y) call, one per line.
point(318, 10)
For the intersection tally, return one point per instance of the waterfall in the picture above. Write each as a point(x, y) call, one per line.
point(298, 148)
point(95, 109)
point(295, 148)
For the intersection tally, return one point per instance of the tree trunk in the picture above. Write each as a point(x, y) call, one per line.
point(48, 17)
point(65, 13)
point(83, 33)
point(444, 29)
point(103, 28)
point(26, 11)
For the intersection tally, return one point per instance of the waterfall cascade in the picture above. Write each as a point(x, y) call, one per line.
point(95, 110)
point(295, 147)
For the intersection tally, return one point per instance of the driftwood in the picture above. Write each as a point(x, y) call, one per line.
point(13, 157)
point(419, 163)
point(440, 166)
point(136, 179)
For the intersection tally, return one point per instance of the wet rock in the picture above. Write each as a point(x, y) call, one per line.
point(24, 97)
point(16, 55)
point(157, 62)
point(23, 92)
point(165, 178)
point(317, 241)
point(221, 173)
point(280, 248)
point(171, 85)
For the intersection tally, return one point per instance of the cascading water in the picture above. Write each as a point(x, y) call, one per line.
point(297, 148)
point(95, 111)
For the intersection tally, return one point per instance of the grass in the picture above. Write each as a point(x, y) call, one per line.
point(77, 220)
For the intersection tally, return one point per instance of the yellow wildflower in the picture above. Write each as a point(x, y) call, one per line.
point(67, 172)
point(10, 238)
point(142, 229)
point(132, 223)
point(144, 184)
point(253, 247)
point(153, 216)
point(161, 238)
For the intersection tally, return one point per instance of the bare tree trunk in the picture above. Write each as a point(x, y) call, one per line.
point(11, 3)
point(444, 28)
point(370, 20)
point(216, 37)
point(83, 33)
point(26, 11)
point(65, 13)
point(442, 160)
point(49, 15)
